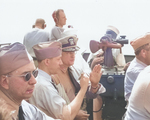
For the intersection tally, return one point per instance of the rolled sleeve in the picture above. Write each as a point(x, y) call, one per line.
point(92, 95)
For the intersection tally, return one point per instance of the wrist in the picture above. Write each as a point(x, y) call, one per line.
point(83, 88)
point(95, 86)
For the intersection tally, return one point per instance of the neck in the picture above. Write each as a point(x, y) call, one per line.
point(58, 25)
point(64, 68)
point(142, 59)
point(18, 103)
point(38, 27)
point(44, 68)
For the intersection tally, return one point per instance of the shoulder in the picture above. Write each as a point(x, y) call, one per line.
point(43, 31)
point(32, 112)
point(76, 69)
point(54, 28)
point(44, 85)
point(135, 67)
point(28, 108)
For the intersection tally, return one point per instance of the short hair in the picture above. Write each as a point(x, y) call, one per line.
point(55, 14)
point(39, 22)
point(145, 47)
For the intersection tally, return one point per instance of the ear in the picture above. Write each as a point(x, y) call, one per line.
point(4, 81)
point(56, 19)
point(47, 62)
point(143, 53)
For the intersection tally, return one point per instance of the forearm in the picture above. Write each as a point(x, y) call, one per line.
point(76, 103)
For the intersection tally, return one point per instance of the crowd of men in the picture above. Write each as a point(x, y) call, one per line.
point(40, 80)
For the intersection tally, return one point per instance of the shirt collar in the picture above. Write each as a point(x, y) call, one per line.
point(43, 73)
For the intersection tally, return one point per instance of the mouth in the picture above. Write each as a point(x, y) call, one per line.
point(72, 60)
point(29, 91)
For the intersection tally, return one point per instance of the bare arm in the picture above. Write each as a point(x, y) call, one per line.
point(76, 103)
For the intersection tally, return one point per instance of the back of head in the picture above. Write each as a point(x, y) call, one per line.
point(13, 57)
point(40, 23)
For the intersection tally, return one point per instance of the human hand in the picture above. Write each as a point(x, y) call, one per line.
point(82, 115)
point(126, 66)
point(95, 75)
point(101, 53)
point(97, 60)
point(84, 81)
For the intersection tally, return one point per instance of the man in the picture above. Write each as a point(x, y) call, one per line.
point(35, 36)
point(142, 59)
point(17, 82)
point(58, 32)
point(68, 76)
point(46, 96)
point(107, 51)
point(60, 20)
point(139, 108)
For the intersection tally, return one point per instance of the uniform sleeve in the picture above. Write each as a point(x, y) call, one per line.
point(91, 95)
point(100, 90)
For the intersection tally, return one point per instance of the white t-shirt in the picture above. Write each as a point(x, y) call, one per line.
point(34, 37)
point(56, 33)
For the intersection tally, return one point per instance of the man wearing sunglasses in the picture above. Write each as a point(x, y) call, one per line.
point(17, 82)
point(46, 96)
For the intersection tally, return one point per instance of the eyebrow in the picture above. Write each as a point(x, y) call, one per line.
point(27, 72)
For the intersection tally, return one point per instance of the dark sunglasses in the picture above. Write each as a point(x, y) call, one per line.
point(27, 76)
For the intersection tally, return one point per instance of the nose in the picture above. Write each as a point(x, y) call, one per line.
point(73, 54)
point(32, 80)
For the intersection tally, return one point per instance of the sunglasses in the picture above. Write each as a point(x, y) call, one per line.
point(28, 75)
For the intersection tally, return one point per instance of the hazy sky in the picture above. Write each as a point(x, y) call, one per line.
point(89, 17)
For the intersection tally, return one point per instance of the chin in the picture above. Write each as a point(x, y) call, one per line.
point(71, 64)
point(27, 97)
